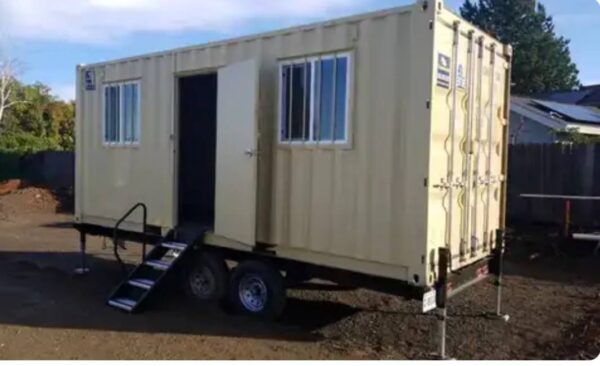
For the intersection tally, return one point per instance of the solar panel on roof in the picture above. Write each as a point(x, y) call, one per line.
point(577, 113)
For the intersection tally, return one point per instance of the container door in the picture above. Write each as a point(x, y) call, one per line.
point(475, 138)
point(469, 122)
point(235, 189)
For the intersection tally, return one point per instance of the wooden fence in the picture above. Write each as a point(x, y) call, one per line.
point(554, 169)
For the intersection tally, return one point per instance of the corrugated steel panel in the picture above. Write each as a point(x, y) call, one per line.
point(335, 200)
point(112, 178)
point(370, 205)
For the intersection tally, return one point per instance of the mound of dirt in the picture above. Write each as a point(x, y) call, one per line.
point(10, 185)
point(27, 201)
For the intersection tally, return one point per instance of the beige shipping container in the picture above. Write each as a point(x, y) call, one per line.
point(389, 143)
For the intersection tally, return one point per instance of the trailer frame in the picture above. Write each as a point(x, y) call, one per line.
point(449, 283)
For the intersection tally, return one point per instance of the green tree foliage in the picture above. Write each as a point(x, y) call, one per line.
point(542, 60)
point(573, 135)
point(38, 122)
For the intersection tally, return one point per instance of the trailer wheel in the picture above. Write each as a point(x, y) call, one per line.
point(257, 289)
point(207, 278)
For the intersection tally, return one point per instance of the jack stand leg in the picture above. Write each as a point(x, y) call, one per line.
point(442, 299)
point(83, 269)
point(442, 322)
point(500, 259)
point(499, 314)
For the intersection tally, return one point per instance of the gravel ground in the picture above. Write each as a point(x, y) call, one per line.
point(46, 312)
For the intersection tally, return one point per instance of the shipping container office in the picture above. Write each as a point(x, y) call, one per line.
point(361, 145)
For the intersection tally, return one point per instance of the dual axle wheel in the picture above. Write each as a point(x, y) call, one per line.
point(253, 287)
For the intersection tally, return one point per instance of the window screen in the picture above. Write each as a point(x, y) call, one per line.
point(314, 99)
point(296, 101)
point(111, 114)
point(122, 113)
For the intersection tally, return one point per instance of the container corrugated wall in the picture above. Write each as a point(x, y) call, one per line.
point(365, 201)
point(363, 206)
point(110, 179)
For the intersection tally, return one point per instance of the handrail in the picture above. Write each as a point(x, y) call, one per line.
point(116, 231)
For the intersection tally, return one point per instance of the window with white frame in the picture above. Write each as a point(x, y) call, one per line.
point(122, 113)
point(314, 95)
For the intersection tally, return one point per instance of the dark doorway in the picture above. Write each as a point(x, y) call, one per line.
point(197, 149)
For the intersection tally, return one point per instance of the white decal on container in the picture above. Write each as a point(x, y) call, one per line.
point(461, 81)
point(90, 79)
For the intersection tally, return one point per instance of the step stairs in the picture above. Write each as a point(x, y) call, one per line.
point(145, 278)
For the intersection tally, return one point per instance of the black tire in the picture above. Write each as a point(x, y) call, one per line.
point(257, 289)
point(206, 278)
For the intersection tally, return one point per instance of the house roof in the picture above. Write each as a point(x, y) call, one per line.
point(592, 97)
point(570, 97)
point(586, 95)
point(570, 112)
point(558, 116)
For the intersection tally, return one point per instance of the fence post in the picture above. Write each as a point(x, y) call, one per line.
point(567, 219)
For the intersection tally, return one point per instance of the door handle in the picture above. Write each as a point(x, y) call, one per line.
point(251, 152)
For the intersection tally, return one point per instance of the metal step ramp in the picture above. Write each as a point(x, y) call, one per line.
point(145, 278)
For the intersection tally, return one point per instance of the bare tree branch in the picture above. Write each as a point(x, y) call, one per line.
point(9, 69)
point(10, 104)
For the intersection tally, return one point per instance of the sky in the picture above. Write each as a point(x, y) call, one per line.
point(50, 37)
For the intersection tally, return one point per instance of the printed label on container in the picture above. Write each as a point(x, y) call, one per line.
point(461, 81)
point(443, 78)
point(90, 80)
point(443, 61)
point(443, 73)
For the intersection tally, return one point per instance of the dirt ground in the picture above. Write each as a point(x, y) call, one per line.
point(47, 312)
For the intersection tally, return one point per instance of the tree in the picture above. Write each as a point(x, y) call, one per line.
point(39, 122)
point(574, 136)
point(62, 123)
point(31, 115)
point(8, 78)
point(31, 118)
point(541, 59)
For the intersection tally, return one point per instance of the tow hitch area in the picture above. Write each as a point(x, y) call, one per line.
point(451, 283)
point(455, 283)
point(467, 277)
